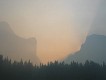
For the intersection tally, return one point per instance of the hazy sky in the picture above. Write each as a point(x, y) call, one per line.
point(99, 23)
point(60, 26)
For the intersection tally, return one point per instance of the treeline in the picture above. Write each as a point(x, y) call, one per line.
point(52, 71)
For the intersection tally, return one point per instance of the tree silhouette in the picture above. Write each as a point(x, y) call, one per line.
point(52, 71)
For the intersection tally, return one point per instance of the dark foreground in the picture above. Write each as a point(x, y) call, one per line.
point(53, 71)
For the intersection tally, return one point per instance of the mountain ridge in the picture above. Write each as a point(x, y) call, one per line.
point(16, 47)
point(93, 49)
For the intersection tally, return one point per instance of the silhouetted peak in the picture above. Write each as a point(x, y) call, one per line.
point(16, 47)
point(32, 39)
point(93, 49)
point(4, 25)
point(95, 39)
point(95, 36)
point(5, 28)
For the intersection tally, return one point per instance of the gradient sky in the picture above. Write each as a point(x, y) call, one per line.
point(60, 26)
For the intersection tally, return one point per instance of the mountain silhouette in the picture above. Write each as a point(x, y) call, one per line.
point(93, 49)
point(16, 47)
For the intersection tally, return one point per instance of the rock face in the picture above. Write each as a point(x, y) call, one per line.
point(16, 47)
point(93, 49)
